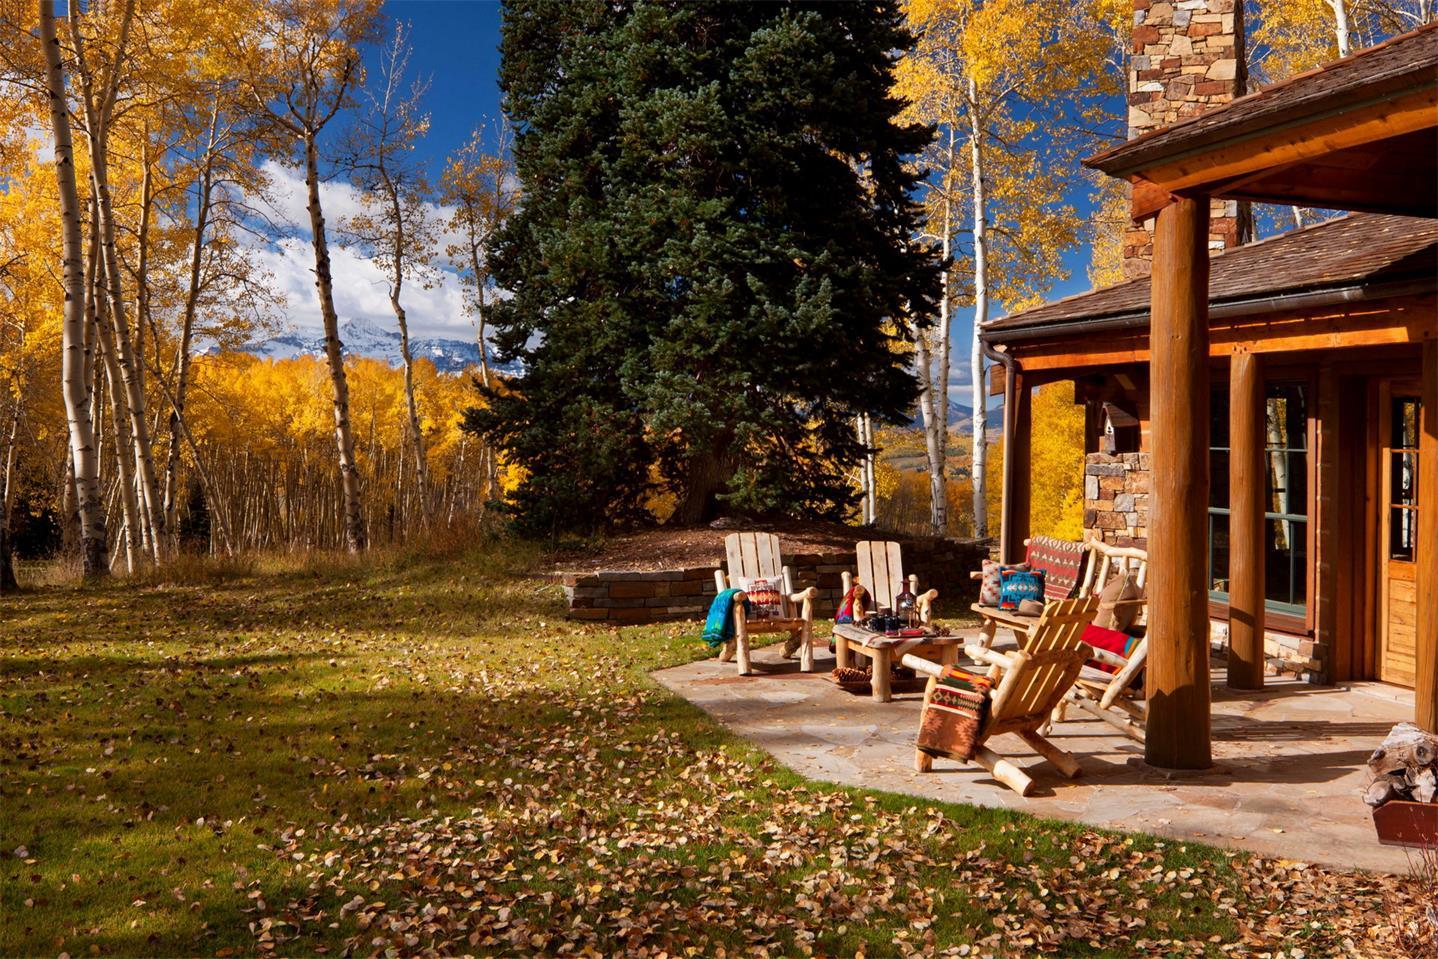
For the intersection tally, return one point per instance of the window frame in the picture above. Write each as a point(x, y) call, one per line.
point(1280, 614)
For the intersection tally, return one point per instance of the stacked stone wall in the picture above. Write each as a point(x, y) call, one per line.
point(1187, 57)
point(624, 597)
point(1116, 491)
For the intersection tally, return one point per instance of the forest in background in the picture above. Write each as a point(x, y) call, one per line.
point(133, 208)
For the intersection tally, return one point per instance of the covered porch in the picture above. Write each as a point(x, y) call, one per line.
point(1331, 331)
point(1286, 782)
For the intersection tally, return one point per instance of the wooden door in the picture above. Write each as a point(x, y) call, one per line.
point(1398, 530)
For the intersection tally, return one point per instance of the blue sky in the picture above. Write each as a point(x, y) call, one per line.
point(456, 46)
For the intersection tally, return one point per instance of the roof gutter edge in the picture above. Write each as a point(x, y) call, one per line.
point(1136, 319)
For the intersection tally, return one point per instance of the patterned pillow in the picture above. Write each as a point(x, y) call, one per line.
point(1017, 585)
point(990, 587)
point(766, 599)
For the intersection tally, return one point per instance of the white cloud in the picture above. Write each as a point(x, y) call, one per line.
point(360, 288)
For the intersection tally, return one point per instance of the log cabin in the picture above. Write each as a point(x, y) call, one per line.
point(1262, 417)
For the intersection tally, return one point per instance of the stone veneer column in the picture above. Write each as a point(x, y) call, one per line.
point(1187, 57)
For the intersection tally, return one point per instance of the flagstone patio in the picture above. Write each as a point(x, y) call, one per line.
point(1287, 780)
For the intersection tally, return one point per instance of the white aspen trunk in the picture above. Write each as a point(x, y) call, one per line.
point(416, 435)
point(981, 315)
point(941, 411)
point(871, 503)
point(1340, 25)
point(124, 447)
point(99, 104)
point(354, 531)
point(218, 507)
point(187, 327)
point(479, 317)
point(7, 564)
point(83, 458)
point(938, 495)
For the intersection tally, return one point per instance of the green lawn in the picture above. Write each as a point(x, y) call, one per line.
point(422, 755)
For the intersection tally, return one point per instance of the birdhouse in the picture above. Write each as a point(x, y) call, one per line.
point(1120, 430)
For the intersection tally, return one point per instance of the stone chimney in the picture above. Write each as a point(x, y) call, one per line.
point(1187, 58)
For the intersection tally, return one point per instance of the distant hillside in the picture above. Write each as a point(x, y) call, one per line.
point(361, 338)
point(961, 418)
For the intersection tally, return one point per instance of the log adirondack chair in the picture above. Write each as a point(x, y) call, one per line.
point(1113, 697)
point(1028, 685)
point(881, 573)
point(1073, 569)
point(751, 555)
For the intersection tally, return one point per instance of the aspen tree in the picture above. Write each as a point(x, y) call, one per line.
point(300, 69)
point(996, 78)
point(83, 454)
point(394, 230)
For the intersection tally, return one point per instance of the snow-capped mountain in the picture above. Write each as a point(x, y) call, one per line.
point(362, 338)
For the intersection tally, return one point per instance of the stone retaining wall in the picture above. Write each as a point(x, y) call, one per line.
point(626, 597)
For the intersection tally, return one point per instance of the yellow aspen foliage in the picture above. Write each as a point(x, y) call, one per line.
point(1056, 451)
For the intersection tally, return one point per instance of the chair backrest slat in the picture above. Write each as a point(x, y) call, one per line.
point(1050, 661)
point(881, 569)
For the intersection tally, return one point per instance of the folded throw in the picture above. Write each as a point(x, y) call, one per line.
point(1109, 640)
point(719, 625)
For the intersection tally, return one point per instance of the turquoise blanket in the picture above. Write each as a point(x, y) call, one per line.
point(719, 626)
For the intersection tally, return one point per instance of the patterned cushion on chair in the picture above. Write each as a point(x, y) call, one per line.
point(1018, 585)
point(991, 586)
point(1061, 561)
point(766, 597)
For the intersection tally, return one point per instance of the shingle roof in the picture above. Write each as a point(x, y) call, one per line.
point(1400, 64)
point(1358, 249)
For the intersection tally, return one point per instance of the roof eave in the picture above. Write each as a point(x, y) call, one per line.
point(1220, 309)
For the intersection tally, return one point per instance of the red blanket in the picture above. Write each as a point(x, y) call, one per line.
point(1109, 640)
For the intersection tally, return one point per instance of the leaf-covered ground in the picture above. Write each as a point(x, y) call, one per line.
point(420, 756)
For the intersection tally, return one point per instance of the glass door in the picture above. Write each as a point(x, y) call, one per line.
point(1398, 532)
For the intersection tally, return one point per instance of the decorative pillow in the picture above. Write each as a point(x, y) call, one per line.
point(1017, 585)
point(766, 599)
point(990, 587)
point(1115, 603)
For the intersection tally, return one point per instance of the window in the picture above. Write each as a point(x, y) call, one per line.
point(1286, 519)
point(1403, 479)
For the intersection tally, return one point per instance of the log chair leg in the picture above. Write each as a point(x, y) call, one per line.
point(883, 692)
point(1065, 763)
point(987, 632)
point(741, 643)
point(841, 651)
point(923, 762)
point(1003, 770)
point(806, 648)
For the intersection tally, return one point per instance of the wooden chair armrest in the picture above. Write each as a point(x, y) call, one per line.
point(1125, 676)
point(976, 575)
point(1109, 658)
point(990, 656)
point(805, 595)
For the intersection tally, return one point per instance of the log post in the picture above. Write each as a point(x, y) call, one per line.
point(1425, 686)
point(1246, 488)
point(1178, 710)
point(1018, 462)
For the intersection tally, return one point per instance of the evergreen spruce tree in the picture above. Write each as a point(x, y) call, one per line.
point(714, 267)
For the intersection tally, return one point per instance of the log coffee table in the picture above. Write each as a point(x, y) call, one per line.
point(883, 651)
